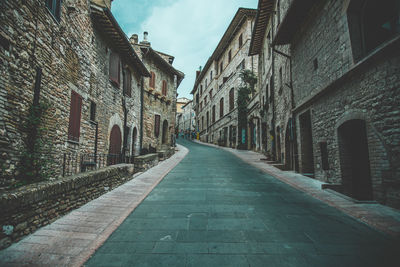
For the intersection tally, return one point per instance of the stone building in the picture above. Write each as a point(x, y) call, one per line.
point(74, 55)
point(187, 119)
point(159, 100)
point(274, 81)
point(179, 119)
point(346, 93)
point(216, 87)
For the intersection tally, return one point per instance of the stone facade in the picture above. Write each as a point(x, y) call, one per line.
point(73, 53)
point(159, 105)
point(187, 119)
point(216, 114)
point(345, 94)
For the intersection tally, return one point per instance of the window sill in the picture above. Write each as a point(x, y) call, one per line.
point(73, 142)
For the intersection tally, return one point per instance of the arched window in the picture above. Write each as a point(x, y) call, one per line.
point(372, 23)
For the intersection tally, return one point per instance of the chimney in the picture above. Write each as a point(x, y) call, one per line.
point(145, 41)
point(134, 39)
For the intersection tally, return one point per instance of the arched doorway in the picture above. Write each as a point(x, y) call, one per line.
point(165, 132)
point(115, 145)
point(354, 159)
point(134, 140)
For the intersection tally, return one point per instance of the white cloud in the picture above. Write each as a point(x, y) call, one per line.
point(190, 30)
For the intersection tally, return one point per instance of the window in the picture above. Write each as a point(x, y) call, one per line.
point(221, 67)
point(205, 100)
point(221, 107)
point(127, 84)
point(280, 79)
point(278, 12)
point(372, 23)
point(202, 123)
point(201, 105)
point(164, 88)
point(240, 40)
point(75, 117)
point(54, 7)
point(229, 56)
point(208, 116)
point(152, 83)
point(324, 155)
point(271, 87)
point(206, 83)
point(92, 111)
point(315, 63)
point(157, 126)
point(269, 44)
point(211, 76)
point(201, 89)
point(114, 68)
point(210, 93)
point(213, 114)
point(231, 99)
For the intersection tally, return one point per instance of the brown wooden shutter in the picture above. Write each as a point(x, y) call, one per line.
point(114, 68)
point(127, 83)
point(152, 80)
point(75, 117)
point(164, 88)
point(157, 126)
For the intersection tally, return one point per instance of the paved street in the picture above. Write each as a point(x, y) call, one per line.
point(215, 210)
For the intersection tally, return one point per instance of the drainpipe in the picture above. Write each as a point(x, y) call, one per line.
point(141, 114)
point(273, 96)
point(125, 128)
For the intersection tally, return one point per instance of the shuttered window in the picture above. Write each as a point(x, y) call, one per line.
point(164, 87)
point(127, 83)
point(231, 99)
point(152, 80)
point(157, 126)
point(114, 68)
point(75, 117)
point(240, 40)
point(221, 108)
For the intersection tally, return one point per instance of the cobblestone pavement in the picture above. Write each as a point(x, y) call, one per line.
point(214, 209)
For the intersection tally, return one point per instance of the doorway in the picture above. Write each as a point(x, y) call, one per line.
point(165, 132)
point(307, 154)
point(354, 159)
point(115, 145)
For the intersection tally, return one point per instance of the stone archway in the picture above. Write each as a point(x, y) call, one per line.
point(354, 159)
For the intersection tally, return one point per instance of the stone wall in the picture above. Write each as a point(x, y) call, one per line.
point(30, 207)
point(340, 89)
point(74, 56)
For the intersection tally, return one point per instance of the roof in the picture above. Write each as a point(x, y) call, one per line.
point(237, 20)
point(264, 12)
point(293, 20)
point(160, 59)
point(106, 23)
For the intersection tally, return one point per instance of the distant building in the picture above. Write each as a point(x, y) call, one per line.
point(180, 102)
point(216, 88)
point(159, 98)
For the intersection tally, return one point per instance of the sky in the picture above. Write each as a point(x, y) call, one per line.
point(189, 30)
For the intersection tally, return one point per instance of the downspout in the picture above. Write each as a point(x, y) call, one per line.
point(125, 128)
point(273, 147)
point(141, 114)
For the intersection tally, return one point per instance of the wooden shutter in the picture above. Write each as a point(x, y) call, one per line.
point(164, 88)
point(157, 126)
point(75, 117)
point(114, 68)
point(152, 80)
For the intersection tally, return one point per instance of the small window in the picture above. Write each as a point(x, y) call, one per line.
point(157, 126)
point(324, 155)
point(211, 76)
point(164, 88)
point(210, 93)
point(114, 68)
point(206, 83)
point(54, 6)
point(221, 107)
point(280, 79)
point(201, 89)
point(213, 114)
point(127, 83)
point(231, 99)
point(92, 111)
point(240, 40)
point(229, 56)
point(221, 65)
point(75, 117)
point(278, 12)
point(152, 82)
point(315, 63)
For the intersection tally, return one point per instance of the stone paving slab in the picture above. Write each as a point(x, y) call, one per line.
point(214, 209)
point(70, 240)
point(380, 217)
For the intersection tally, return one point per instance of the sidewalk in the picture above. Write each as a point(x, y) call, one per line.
point(72, 239)
point(380, 217)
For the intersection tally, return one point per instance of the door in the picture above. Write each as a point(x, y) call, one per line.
point(115, 146)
